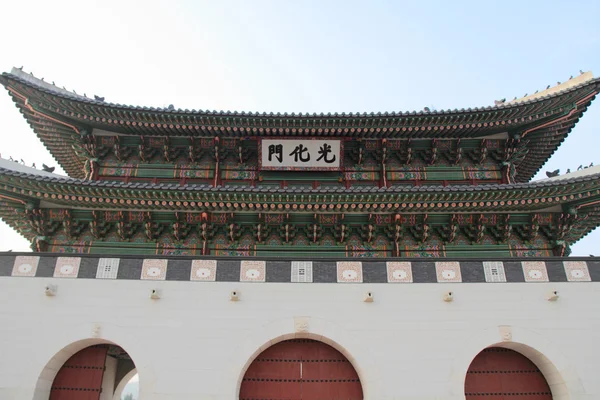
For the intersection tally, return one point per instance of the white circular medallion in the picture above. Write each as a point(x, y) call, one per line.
point(203, 272)
point(25, 268)
point(399, 274)
point(577, 273)
point(66, 269)
point(349, 274)
point(252, 273)
point(535, 274)
point(448, 274)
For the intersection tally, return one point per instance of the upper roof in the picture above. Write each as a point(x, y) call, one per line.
point(57, 114)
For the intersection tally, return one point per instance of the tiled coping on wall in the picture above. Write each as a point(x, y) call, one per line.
point(300, 271)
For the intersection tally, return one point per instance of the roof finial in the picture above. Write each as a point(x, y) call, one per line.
point(558, 83)
point(581, 72)
point(548, 87)
point(46, 168)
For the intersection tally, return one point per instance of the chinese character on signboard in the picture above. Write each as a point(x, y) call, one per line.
point(300, 154)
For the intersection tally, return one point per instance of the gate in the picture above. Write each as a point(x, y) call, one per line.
point(80, 378)
point(301, 369)
point(503, 374)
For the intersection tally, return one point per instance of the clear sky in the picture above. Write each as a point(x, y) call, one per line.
point(301, 56)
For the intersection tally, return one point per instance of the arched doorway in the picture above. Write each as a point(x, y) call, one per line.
point(92, 373)
point(502, 374)
point(301, 369)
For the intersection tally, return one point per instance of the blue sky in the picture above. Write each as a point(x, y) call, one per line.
point(309, 56)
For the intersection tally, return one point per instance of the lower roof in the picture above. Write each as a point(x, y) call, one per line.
point(577, 196)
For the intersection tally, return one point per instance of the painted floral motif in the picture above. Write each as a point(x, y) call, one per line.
point(534, 271)
point(119, 170)
point(448, 271)
point(240, 174)
point(577, 271)
point(204, 270)
point(25, 266)
point(538, 248)
point(400, 272)
point(357, 248)
point(408, 174)
point(478, 173)
point(183, 170)
point(67, 267)
point(349, 272)
point(361, 176)
point(252, 271)
point(426, 251)
point(154, 269)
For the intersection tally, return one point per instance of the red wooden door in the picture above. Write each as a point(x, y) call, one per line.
point(301, 369)
point(80, 378)
point(503, 374)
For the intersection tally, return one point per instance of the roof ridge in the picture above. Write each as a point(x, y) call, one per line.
point(30, 80)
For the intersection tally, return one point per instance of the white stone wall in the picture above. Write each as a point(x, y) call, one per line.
point(194, 343)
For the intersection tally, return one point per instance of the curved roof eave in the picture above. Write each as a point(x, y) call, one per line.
point(28, 79)
point(26, 173)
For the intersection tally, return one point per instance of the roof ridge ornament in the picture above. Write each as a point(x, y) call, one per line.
point(582, 78)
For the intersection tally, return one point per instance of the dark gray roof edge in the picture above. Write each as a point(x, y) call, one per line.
point(240, 189)
point(75, 97)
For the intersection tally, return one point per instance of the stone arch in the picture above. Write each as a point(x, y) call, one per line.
point(49, 372)
point(123, 382)
point(549, 370)
point(305, 328)
point(556, 369)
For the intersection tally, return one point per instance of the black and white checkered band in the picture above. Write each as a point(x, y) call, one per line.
point(300, 271)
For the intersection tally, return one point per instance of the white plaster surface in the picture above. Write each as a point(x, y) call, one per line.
point(194, 343)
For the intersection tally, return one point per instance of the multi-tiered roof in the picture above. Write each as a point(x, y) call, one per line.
point(169, 181)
